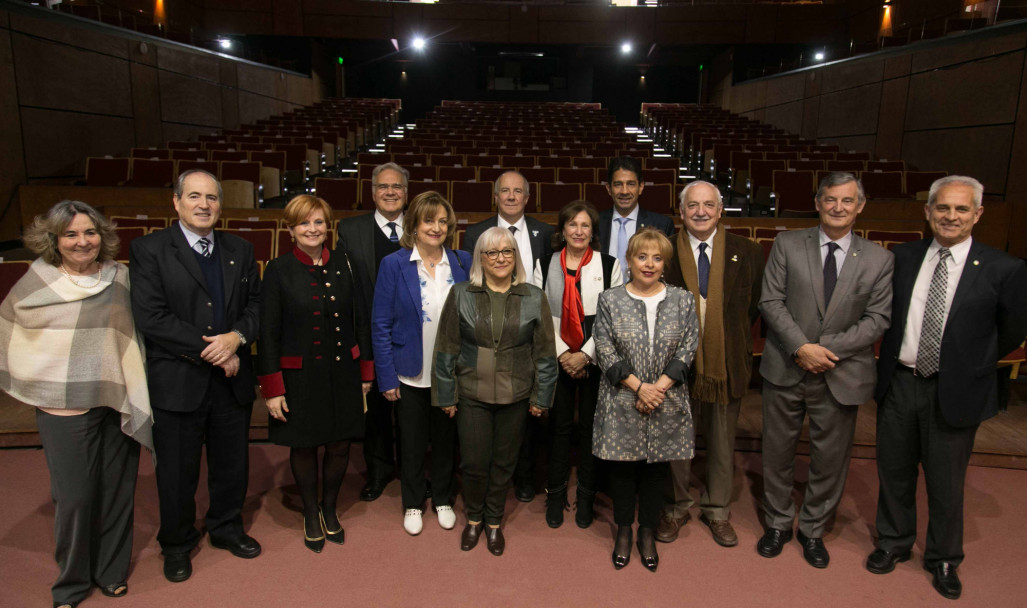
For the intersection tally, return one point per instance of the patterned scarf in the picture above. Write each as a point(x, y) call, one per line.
point(573, 314)
point(64, 346)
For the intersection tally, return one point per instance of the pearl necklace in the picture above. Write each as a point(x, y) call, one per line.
point(67, 274)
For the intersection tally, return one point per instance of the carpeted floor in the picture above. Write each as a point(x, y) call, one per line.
point(380, 565)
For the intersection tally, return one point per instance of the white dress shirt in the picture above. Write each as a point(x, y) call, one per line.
point(918, 299)
point(839, 254)
point(384, 221)
point(194, 238)
point(523, 242)
point(694, 242)
point(433, 295)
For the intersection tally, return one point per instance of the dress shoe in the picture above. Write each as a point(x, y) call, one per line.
point(525, 491)
point(334, 536)
point(883, 562)
point(945, 580)
point(722, 530)
point(813, 550)
point(772, 541)
point(556, 502)
point(240, 545)
point(412, 521)
point(373, 490)
point(647, 549)
point(584, 508)
point(494, 540)
point(114, 589)
point(177, 567)
point(622, 547)
point(469, 537)
point(314, 543)
point(447, 517)
point(669, 526)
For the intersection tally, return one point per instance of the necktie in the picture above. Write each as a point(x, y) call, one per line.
point(928, 353)
point(204, 244)
point(393, 236)
point(830, 272)
point(622, 245)
point(704, 269)
point(513, 231)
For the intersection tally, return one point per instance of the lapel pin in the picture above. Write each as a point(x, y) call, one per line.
point(231, 261)
point(734, 258)
point(534, 233)
point(854, 254)
point(977, 263)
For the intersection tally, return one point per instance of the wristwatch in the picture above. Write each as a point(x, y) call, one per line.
point(242, 338)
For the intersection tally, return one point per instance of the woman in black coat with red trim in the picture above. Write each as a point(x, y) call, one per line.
point(314, 362)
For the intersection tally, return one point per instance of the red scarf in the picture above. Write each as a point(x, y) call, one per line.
point(572, 316)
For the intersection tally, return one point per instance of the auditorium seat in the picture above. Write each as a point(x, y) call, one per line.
point(575, 175)
point(163, 153)
point(882, 184)
point(539, 174)
point(10, 272)
point(847, 166)
point(251, 222)
point(125, 236)
point(231, 155)
point(919, 182)
point(556, 162)
point(422, 173)
point(210, 166)
point(552, 197)
point(340, 194)
point(471, 196)
point(886, 165)
point(457, 174)
point(143, 221)
point(262, 239)
point(272, 168)
point(793, 193)
point(446, 160)
point(107, 171)
point(517, 161)
point(148, 173)
point(415, 187)
point(658, 198)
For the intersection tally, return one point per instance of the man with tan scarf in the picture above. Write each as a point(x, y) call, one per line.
point(724, 272)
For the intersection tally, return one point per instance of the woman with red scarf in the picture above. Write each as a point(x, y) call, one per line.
point(573, 278)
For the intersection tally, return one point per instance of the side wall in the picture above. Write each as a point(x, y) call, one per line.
point(956, 105)
point(70, 89)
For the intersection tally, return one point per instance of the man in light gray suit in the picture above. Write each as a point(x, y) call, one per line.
point(826, 299)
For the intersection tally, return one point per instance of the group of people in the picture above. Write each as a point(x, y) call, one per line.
point(644, 332)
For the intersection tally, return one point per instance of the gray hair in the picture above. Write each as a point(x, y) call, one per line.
point(527, 186)
point(840, 178)
point(698, 182)
point(41, 237)
point(180, 183)
point(962, 180)
point(495, 238)
point(390, 167)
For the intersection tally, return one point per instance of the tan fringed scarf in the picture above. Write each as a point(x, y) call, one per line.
point(710, 379)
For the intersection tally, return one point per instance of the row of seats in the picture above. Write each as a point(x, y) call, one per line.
point(490, 173)
point(793, 191)
point(242, 181)
point(511, 161)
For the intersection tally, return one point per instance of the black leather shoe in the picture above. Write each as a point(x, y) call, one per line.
point(524, 491)
point(240, 545)
point(584, 509)
point(373, 490)
point(334, 536)
point(495, 541)
point(556, 502)
point(469, 537)
point(177, 567)
point(647, 549)
point(772, 541)
point(813, 550)
point(622, 547)
point(945, 580)
point(883, 562)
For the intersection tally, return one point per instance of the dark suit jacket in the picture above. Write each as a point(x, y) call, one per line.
point(540, 234)
point(172, 311)
point(743, 278)
point(356, 236)
point(645, 218)
point(396, 316)
point(987, 320)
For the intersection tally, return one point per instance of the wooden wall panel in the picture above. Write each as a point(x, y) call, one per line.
point(146, 107)
point(810, 117)
point(987, 91)
point(57, 143)
point(52, 75)
point(890, 119)
point(83, 38)
point(188, 100)
point(847, 75)
point(195, 65)
point(783, 90)
point(937, 57)
point(849, 112)
point(786, 116)
point(982, 152)
point(10, 136)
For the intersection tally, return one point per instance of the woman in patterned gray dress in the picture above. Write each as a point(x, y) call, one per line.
point(646, 333)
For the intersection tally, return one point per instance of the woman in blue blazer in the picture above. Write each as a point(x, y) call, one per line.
point(411, 288)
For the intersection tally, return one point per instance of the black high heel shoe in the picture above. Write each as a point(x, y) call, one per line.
point(647, 549)
point(334, 536)
point(622, 547)
point(314, 544)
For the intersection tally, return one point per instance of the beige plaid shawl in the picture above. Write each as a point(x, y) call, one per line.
point(68, 347)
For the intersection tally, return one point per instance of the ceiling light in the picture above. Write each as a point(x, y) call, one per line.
point(419, 43)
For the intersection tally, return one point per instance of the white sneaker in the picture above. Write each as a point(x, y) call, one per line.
point(412, 521)
point(447, 517)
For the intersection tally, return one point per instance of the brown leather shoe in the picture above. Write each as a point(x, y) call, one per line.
point(723, 532)
point(470, 536)
point(494, 539)
point(667, 529)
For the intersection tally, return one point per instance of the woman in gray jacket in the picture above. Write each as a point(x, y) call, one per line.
point(646, 333)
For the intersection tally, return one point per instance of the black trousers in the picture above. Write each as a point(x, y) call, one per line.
point(420, 424)
point(379, 443)
point(527, 456)
point(561, 425)
point(911, 431)
point(93, 468)
point(222, 426)
point(490, 436)
point(631, 478)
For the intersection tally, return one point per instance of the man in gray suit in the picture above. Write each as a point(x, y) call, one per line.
point(826, 299)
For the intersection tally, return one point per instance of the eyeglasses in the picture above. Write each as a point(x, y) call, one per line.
point(493, 254)
point(384, 187)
